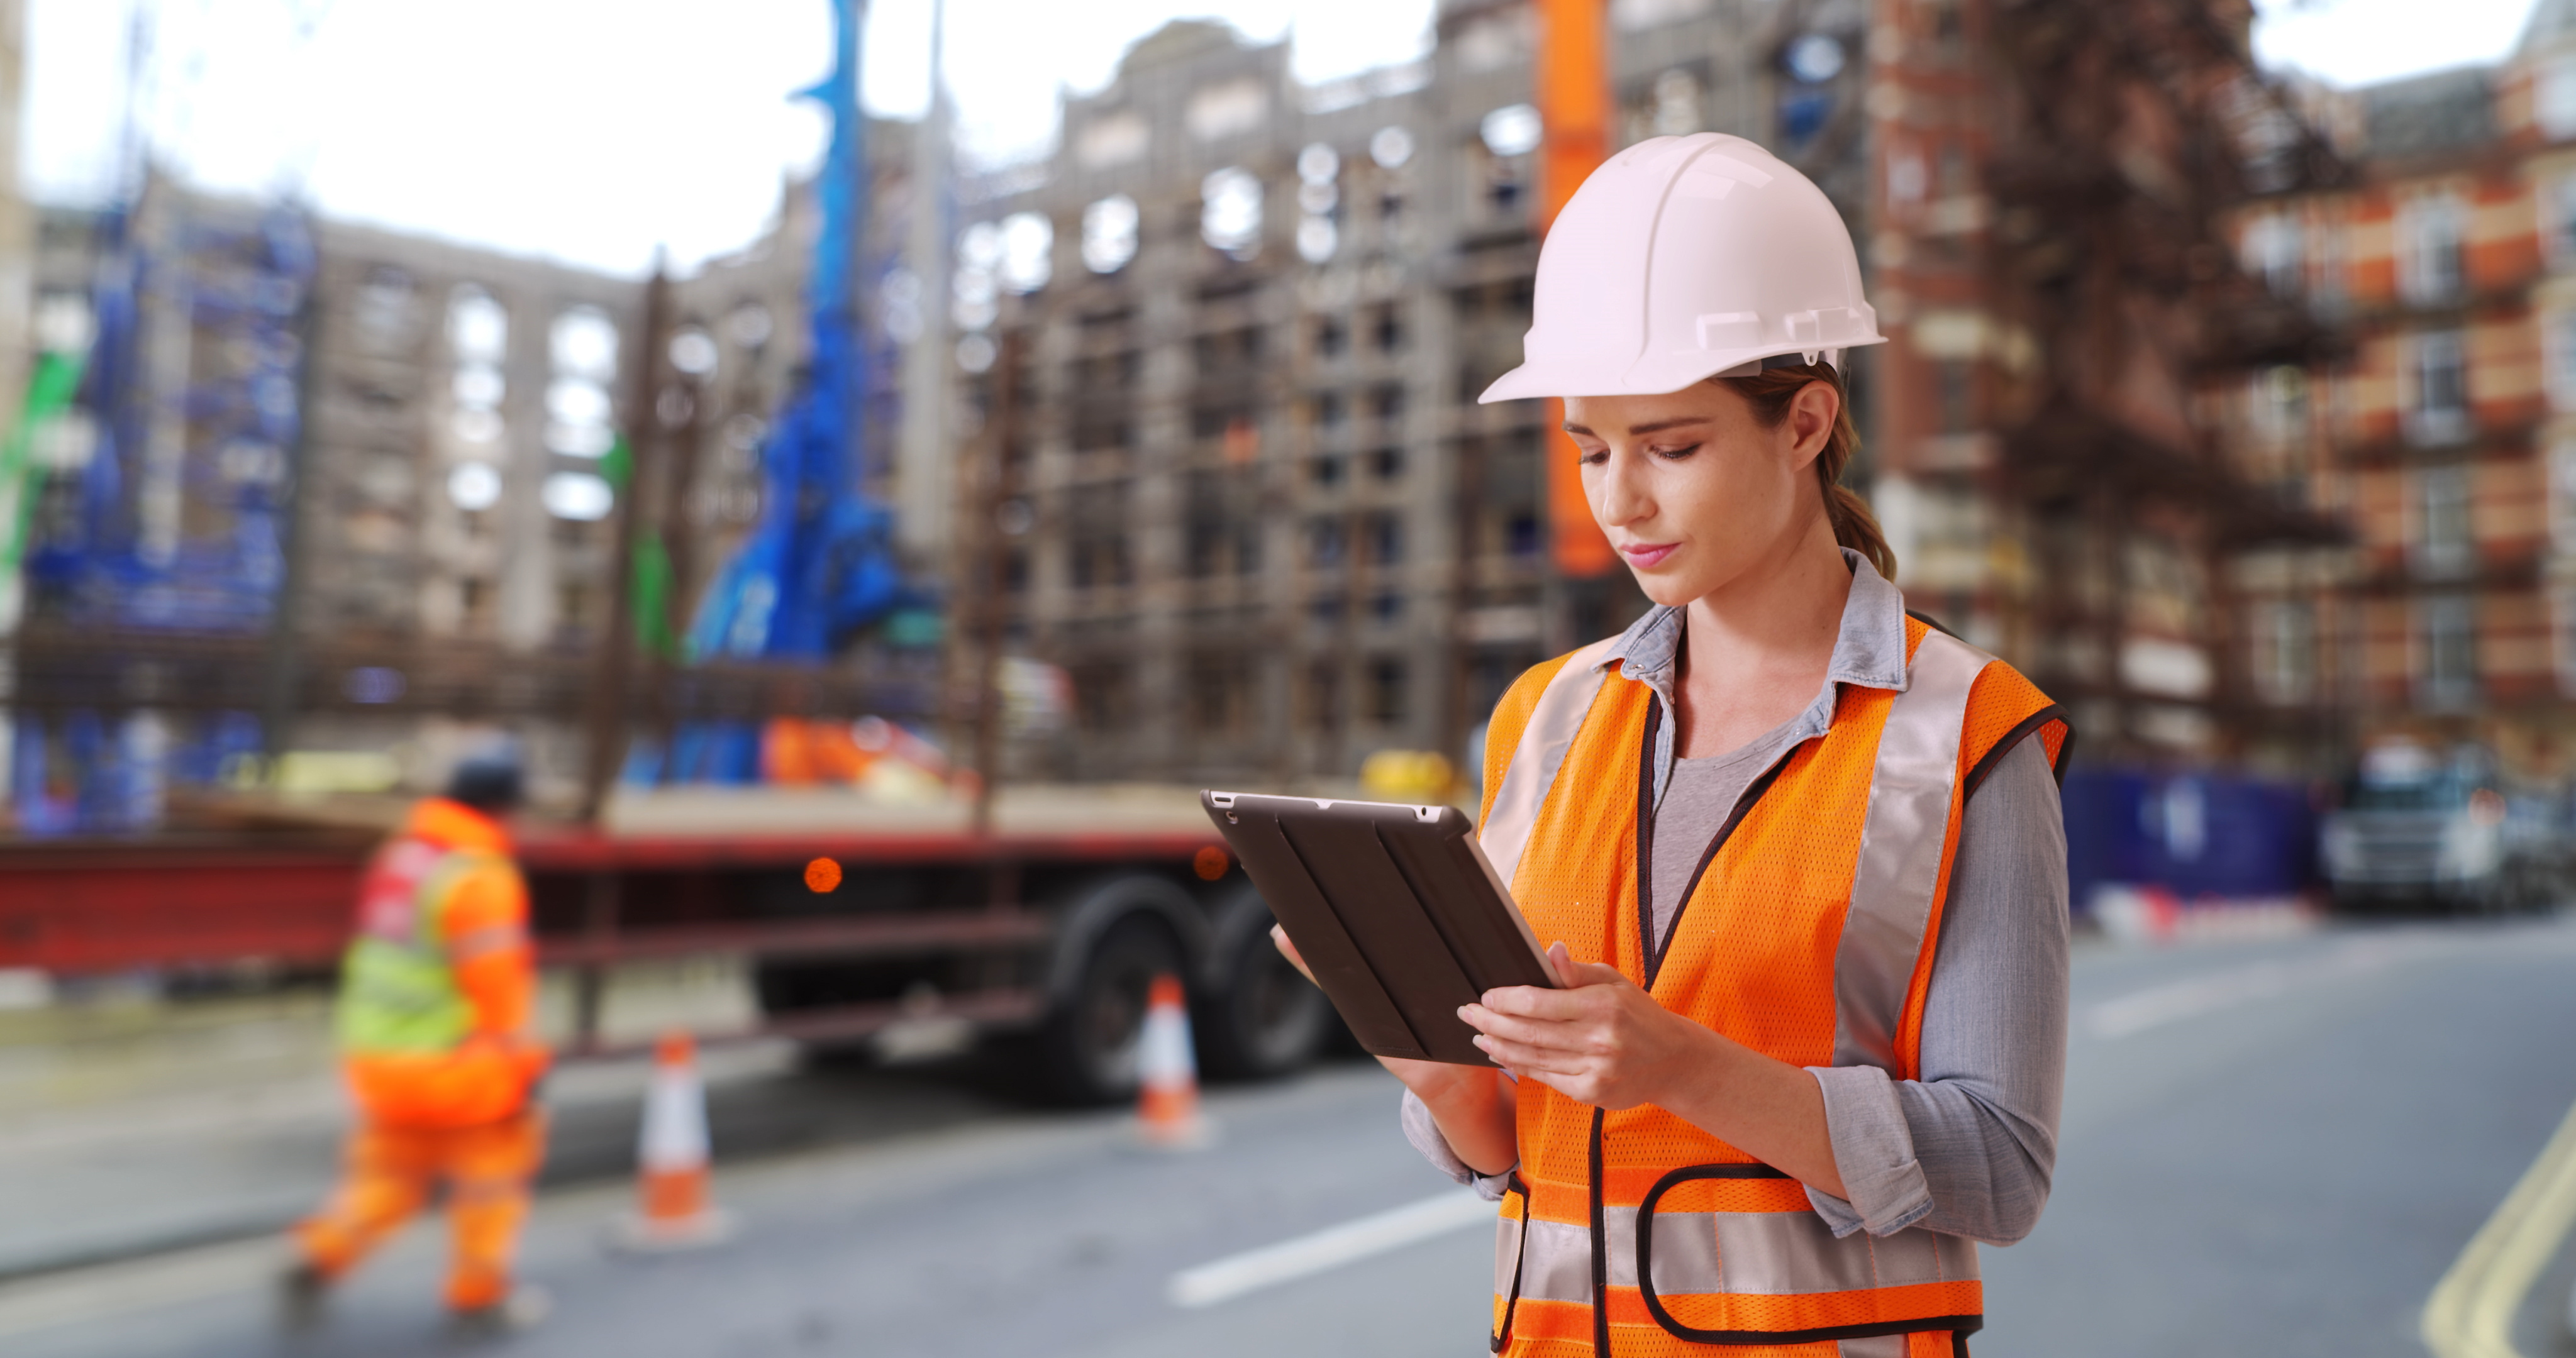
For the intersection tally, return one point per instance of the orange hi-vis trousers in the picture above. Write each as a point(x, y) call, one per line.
point(389, 1175)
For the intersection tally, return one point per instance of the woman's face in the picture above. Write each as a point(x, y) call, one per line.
point(1693, 492)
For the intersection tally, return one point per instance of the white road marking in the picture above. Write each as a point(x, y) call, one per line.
point(2471, 1311)
point(1329, 1248)
point(2156, 1006)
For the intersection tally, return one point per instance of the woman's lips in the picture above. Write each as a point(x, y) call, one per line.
point(1643, 556)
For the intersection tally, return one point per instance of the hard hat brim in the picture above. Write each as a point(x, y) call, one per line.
point(1649, 375)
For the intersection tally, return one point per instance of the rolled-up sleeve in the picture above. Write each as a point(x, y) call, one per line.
point(1426, 1138)
point(1968, 1148)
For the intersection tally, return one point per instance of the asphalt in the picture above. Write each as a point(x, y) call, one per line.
point(2272, 1147)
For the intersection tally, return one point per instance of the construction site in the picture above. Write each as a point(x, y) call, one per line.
point(868, 606)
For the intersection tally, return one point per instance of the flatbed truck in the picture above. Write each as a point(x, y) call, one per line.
point(1044, 930)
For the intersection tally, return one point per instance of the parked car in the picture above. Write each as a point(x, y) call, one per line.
point(2419, 828)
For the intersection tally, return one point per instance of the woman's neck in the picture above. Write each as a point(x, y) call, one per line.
point(1756, 650)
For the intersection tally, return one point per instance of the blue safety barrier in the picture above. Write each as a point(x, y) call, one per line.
point(2196, 834)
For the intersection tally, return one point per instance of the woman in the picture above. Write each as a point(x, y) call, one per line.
point(1798, 856)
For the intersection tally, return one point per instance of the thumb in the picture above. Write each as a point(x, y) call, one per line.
point(1571, 974)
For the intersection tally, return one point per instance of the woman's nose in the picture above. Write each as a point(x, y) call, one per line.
point(1621, 496)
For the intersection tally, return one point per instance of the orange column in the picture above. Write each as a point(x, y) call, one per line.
point(1574, 109)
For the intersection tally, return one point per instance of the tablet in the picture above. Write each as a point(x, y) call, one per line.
point(1394, 908)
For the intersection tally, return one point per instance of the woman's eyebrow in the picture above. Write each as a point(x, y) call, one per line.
point(1635, 429)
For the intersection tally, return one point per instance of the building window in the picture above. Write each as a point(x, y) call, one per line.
point(2562, 638)
point(1323, 696)
point(2554, 99)
point(2278, 404)
point(1100, 698)
point(2444, 546)
point(2558, 349)
point(2285, 670)
point(1324, 543)
point(2432, 232)
point(1385, 539)
point(1220, 696)
point(2440, 413)
point(2560, 200)
point(1386, 691)
point(1957, 393)
point(1390, 329)
point(2562, 497)
point(2273, 253)
point(2447, 650)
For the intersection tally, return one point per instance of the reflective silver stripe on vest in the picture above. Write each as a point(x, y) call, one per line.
point(1900, 849)
point(1553, 724)
point(1768, 1254)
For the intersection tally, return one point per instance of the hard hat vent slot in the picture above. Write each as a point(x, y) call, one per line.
point(1730, 330)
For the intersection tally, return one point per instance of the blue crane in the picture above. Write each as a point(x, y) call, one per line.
point(820, 562)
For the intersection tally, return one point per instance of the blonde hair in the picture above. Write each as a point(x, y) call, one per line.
point(1771, 393)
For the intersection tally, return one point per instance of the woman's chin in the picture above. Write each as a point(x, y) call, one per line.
point(1662, 587)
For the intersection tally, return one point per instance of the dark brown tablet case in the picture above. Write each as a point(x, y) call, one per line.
point(1394, 909)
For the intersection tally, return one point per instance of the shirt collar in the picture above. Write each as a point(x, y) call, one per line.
point(1869, 650)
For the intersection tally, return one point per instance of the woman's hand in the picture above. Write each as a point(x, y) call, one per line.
point(1600, 1041)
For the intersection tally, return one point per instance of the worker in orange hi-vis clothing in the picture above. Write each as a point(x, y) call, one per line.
point(435, 1030)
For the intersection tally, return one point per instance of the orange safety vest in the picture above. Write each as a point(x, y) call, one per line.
point(1807, 936)
point(437, 988)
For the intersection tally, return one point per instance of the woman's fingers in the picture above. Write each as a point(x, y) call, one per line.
point(1525, 1059)
point(1536, 1033)
point(1551, 1006)
point(1279, 939)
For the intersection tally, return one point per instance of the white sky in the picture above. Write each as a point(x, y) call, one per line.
point(593, 130)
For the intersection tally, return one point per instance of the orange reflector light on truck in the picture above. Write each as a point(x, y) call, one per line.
point(822, 875)
point(1210, 863)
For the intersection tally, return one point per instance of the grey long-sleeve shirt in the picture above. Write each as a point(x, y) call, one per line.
point(1968, 1148)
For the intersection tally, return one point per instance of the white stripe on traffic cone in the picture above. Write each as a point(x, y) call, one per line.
point(673, 1208)
point(1167, 1109)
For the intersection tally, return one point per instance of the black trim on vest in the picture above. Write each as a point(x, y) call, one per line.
point(1512, 1300)
point(1959, 1326)
point(1986, 763)
point(1753, 793)
point(1646, 941)
point(1600, 1251)
point(1932, 622)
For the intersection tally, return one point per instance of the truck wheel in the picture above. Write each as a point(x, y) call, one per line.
point(1087, 1051)
point(1260, 1019)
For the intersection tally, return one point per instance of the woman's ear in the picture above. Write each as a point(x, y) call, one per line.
point(1813, 413)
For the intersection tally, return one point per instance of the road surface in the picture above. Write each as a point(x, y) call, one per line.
point(2272, 1147)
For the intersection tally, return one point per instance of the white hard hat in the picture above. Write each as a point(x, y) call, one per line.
point(1685, 258)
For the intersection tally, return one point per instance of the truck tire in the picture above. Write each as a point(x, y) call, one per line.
point(1087, 1049)
point(1257, 1018)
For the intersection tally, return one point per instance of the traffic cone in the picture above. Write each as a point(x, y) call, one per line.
point(1167, 1111)
point(673, 1209)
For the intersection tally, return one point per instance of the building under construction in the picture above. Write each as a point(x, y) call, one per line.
point(2049, 244)
point(433, 491)
point(1225, 348)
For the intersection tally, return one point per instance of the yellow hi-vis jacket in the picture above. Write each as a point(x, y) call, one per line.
point(1808, 935)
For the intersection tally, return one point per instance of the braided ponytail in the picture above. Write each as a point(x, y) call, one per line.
point(1770, 393)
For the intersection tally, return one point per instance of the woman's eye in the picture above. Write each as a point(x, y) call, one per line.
point(1592, 457)
point(1676, 454)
